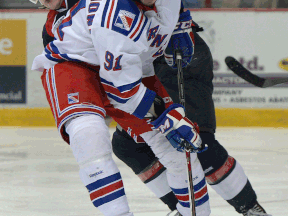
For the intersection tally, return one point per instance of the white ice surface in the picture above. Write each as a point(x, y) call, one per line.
point(39, 176)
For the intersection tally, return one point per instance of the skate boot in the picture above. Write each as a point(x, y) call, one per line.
point(174, 213)
point(257, 210)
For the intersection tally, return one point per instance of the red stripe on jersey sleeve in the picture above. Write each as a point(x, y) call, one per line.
point(49, 22)
point(110, 13)
point(116, 92)
point(142, 17)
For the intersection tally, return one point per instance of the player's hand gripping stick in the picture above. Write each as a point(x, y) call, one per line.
point(179, 130)
point(182, 39)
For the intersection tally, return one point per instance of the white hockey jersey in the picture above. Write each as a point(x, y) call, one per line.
point(121, 38)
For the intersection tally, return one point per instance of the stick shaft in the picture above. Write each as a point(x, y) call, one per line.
point(187, 151)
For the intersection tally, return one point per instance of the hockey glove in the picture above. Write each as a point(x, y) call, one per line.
point(178, 129)
point(182, 40)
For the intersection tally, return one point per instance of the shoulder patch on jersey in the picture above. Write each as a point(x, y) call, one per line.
point(124, 20)
point(124, 17)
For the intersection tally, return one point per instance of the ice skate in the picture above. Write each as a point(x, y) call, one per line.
point(257, 210)
point(174, 213)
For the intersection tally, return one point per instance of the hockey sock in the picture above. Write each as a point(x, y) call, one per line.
point(180, 189)
point(244, 200)
point(91, 146)
point(175, 163)
point(141, 159)
point(225, 175)
point(232, 184)
point(105, 186)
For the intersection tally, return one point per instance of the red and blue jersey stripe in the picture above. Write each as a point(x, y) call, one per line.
point(121, 94)
point(53, 54)
point(68, 20)
point(124, 18)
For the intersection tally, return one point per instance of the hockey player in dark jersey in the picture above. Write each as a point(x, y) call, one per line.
point(223, 173)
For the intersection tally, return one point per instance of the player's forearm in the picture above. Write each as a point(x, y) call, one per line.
point(137, 105)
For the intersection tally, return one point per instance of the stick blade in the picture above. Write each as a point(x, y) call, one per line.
point(242, 72)
point(245, 74)
point(273, 82)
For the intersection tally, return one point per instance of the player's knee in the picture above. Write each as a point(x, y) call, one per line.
point(175, 162)
point(215, 156)
point(95, 169)
point(216, 162)
point(122, 145)
point(138, 156)
point(151, 172)
point(89, 138)
point(91, 164)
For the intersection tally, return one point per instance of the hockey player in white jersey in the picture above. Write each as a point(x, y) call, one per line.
point(120, 41)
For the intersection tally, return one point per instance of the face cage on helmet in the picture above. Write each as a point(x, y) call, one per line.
point(34, 1)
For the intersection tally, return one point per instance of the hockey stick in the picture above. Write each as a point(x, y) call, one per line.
point(187, 150)
point(245, 74)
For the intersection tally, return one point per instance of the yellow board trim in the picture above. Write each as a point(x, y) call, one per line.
point(26, 117)
point(42, 117)
point(237, 117)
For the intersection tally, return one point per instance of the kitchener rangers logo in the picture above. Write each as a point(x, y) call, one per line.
point(73, 98)
point(125, 20)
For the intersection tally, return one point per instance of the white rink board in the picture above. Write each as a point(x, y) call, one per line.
point(258, 39)
point(251, 97)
